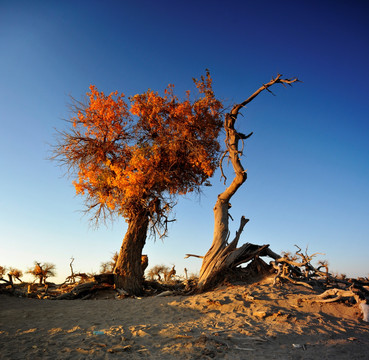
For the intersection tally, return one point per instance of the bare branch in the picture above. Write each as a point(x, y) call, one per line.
point(192, 255)
point(277, 80)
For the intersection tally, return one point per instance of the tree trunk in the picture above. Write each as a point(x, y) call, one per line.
point(128, 272)
point(215, 261)
point(223, 255)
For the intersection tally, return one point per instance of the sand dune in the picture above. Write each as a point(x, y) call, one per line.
point(257, 321)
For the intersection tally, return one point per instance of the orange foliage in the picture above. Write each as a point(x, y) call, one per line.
point(129, 157)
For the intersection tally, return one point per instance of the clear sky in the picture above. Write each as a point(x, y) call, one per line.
point(308, 160)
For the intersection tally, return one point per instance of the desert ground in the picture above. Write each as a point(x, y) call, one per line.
point(238, 321)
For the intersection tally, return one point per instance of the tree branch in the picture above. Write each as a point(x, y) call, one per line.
point(276, 80)
point(197, 256)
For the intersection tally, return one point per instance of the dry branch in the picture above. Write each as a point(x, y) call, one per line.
point(197, 256)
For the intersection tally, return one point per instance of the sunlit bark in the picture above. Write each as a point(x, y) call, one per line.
point(128, 272)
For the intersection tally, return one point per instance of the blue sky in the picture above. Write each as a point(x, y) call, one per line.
point(308, 160)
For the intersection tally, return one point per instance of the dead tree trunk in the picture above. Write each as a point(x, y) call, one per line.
point(128, 272)
point(225, 255)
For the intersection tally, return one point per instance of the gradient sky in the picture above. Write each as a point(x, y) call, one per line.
point(308, 160)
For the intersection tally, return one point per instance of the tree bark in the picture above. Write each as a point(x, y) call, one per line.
point(128, 271)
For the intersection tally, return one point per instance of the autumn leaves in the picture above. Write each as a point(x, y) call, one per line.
point(128, 155)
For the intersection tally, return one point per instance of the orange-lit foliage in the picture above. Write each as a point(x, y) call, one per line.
point(137, 155)
point(15, 274)
point(42, 272)
point(2, 271)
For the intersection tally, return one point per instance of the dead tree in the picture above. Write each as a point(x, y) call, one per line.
point(72, 275)
point(169, 274)
point(224, 255)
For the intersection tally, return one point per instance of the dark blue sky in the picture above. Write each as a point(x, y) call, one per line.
point(308, 160)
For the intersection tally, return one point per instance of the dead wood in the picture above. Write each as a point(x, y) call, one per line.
point(168, 275)
point(332, 295)
point(153, 287)
point(72, 276)
point(222, 254)
point(6, 281)
point(283, 273)
point(353, 294)
point(299, 270)
point(77, 278)
point(193, 255)
point(78, 291)
point(104, 279)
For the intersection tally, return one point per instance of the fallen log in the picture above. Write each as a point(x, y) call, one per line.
point(78, 291)
point(332, 295)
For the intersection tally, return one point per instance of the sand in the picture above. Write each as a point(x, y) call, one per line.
point(257, 321)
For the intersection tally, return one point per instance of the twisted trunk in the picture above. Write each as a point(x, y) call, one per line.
point(224, 255)
point(128, 271)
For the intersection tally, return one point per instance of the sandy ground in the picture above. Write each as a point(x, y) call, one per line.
point(255, 321)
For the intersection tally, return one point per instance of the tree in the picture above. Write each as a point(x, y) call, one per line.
point(223, 256)
point(161, 273)
point(42, 271)
point(133, 159)
point(15, 274)
point(2, 271)
point(157, 272)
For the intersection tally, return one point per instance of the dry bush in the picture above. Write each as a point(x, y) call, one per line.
point(108, 267)
point(161, 273)
point(2, 271)
point(158, 272)
point(42, 272)
point(15, 274)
